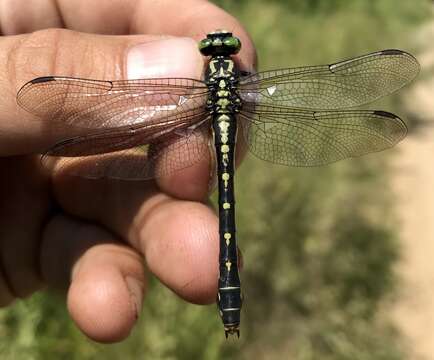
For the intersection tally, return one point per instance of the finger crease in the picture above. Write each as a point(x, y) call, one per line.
point(143, 217)
point(59, 13)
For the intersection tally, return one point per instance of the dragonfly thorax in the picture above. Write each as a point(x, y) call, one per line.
point(221, 77)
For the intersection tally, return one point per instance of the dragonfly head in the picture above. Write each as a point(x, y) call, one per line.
point(219, 42)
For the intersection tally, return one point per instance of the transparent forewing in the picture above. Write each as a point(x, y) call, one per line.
point(341, 85)
point(300, 137)
point(131, 156)
point(96, 104)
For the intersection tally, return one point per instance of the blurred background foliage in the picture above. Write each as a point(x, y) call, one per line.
point(319, 244)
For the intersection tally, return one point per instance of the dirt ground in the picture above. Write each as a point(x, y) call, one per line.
point(413, 183)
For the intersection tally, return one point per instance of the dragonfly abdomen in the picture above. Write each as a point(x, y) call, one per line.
point(229, 292)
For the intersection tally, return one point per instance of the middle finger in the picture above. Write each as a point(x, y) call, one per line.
point(178, 238)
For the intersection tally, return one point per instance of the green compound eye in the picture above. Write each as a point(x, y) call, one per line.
point(203, 44)
point(233, 43)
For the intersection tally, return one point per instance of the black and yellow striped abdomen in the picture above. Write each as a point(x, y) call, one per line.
point(221, 77)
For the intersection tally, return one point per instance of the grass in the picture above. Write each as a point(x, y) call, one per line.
point(319, 245)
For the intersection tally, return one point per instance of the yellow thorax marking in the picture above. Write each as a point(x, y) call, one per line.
point(212, 66)
point(230, 65)
point(221, 71)
point(223, 117)
point(223, 93)
point(223, 102)
point(226, 206)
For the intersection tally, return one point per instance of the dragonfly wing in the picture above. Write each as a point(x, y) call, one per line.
point(300, 137)
point(96, 104)
point(132, 155)
point(336, 86)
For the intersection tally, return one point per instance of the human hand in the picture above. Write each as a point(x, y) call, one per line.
point(95, 237)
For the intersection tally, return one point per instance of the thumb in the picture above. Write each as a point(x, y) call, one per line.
point(68, 53)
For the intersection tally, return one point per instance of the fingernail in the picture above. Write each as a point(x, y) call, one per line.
point(171, 57)
point(136, 289)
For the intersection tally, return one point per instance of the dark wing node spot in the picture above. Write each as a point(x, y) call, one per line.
point(386, 114)
point(43, 79)
point(393, 52)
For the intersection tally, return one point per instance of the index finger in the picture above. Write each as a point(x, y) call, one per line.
point(50, 52)
point(193, 18)
point(187, 18)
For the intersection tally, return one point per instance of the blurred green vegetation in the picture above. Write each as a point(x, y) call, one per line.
point(319, 245)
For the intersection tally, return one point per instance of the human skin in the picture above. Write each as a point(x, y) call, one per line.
point(97, 239)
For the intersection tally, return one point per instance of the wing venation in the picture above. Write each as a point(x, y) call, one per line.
point(341, 85)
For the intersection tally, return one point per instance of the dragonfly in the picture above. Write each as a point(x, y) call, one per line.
point(147, 128)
